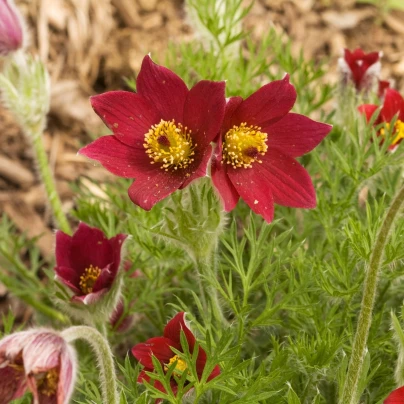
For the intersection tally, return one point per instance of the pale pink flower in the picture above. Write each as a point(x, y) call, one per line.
point(40, 360)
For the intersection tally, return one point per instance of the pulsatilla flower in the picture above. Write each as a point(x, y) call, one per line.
point(161, 134)
point(360, 68)
point(393, 106)
point(38, 360)
point(88, 262)
point(11, 27)
point(395, 397)
point(255, 154)
point(160, 347)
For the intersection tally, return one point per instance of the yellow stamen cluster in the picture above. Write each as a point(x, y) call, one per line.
point(398, 134)
point(88, 279)
point(243, 144)
point(170, 144)
point(180, 367)
point(47, 383)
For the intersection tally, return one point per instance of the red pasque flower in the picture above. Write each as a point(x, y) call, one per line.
point(383, 86)
point(11, 27)
point(393, 105)
point(88, 262)
point(255, 154)
point(160, 347)
point(360, 68)
point(40, 360)
point(161, 134)
point(395, 397)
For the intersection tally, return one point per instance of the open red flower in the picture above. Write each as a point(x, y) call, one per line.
point(393, 105)
point(395, 397)
point(255, 154)
point(160, 347)
point(40, 360)
point(360, 68)
point(161, 134)
point(88, 262)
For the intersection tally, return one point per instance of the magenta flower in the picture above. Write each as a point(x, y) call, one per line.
point(360, 68)
point(11, 27)
point(393, 105)
point(161, 134)
point(88, 262)
point(39, 360)
point(255, 154)
point(395, 397)
point(160, 347)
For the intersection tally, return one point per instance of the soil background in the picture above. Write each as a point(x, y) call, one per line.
point(89, 46)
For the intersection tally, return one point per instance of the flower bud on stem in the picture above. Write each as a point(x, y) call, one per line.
point(104, 357)
point(350, 390)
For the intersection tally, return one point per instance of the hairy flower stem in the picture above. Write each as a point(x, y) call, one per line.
point(104, 356)
point(48, 181)
point(350, 391)
point(207, 268)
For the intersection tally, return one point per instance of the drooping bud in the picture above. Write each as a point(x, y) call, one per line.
point(40, 360)
point(11, 28)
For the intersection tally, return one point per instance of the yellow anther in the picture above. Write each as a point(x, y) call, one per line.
point(243, 145)
point(170, 144)
point(47, 383)
point(88, 279)
point(398, 133)
point(180, 367)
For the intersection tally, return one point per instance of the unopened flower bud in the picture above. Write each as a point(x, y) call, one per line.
point(11, 28)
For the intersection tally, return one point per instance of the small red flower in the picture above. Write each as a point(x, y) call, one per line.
point(383, 86)
point(395, 397)
point(118, 320)
point(393, 105)
point(255, 155)
point(87, 262)
point(161, 134)
point(360, 68)
point(40, 360)
point(160, 347)
point(11, 27)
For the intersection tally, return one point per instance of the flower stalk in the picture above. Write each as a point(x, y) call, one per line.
point(350, 390)
point(104, 357)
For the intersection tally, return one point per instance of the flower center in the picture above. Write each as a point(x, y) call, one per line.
point(243, 144)
point(180, 367)
point(398, 134)
point(47, 383)
point(170, 144)
point(88, 279)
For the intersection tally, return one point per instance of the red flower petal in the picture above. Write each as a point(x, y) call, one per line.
point(204, 111)
point(395, 397)
point(127, 114)
point(215, 373)
point(106, 277)
point(163, 88)
point(69, 277)
point(159, 347)
point(289, 182)
point(201, 161)
point(296, 134)
point(254, 189)
point(232, 104)
point(393, 105)
point(115, 156)
point(90, 298)
point(368, 110)
point(143, 376)
point(221, 181)
point(62, 252)
point(90, 247)
point(173, 331)
point(12, 384)
point(267, 105)
point(153, 185)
